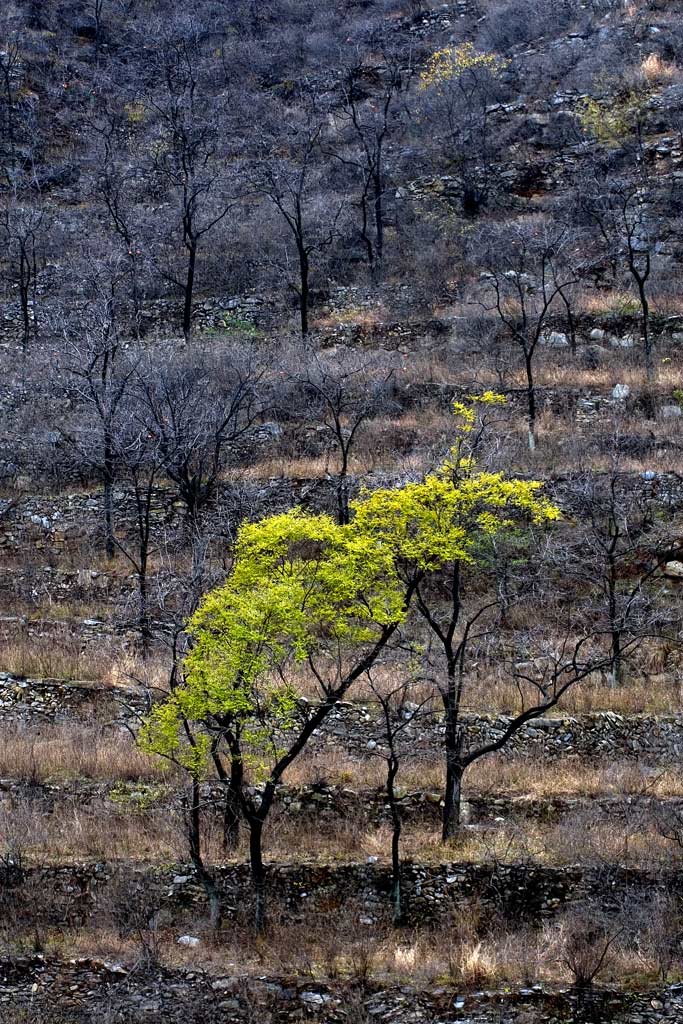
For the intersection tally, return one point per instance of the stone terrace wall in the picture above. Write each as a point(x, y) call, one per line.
point(325, 803)
point(73, 893)
point(53, 700)
point(358, 729)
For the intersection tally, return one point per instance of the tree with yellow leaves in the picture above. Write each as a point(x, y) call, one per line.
point(308, 597)
point(442, 533)
point(453, 62)
point(614, 121)
point(457, 87)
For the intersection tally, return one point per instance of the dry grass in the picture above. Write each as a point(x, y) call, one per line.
point(497, 775)
point(139, 825)
point(656, 693)
point(571, 776)
point(59, 653)
point(656, 71)
point(58, 753)
point(653, 685)
point(362, 316)
point(407, 443)
point(309, 467)
point(582, 837)
point(57, 657)
point(615, 370)
point(467, 953)
point(91, 832)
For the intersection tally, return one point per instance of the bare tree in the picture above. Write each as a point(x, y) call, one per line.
point(117, 185)
point(199, 408)
point(528, 273)
point(23, 227)
point(98, 370)
point(189, 158)
point(369, 121)
point(400, 706)
point(620, 208)
point(587, 945)
point(616, 558)
point(462, 143)
point(343, 391)
point(10, 64)
point(290, 182)
point(96, 9)
point(140, 464)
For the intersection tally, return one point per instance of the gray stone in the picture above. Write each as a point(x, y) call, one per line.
point(555, 340)
point(313, 998)
point(628, 341)
point(223, 984)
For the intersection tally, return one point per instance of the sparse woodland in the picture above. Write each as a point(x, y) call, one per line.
point(341, 511)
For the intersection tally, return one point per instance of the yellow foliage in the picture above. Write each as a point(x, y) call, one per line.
point(135, 112)
point(449, 64)
point(612, 122)
point(304, 590)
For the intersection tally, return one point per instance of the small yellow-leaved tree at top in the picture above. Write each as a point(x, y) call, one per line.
point(614, 120)
point(449, 516)
point(451, 63)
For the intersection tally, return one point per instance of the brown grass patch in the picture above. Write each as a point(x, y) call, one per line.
point(57, 753)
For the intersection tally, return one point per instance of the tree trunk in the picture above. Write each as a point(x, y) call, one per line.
point(143, 499)
point(33, 289)
point(571, 326)
point(189, 291)
point(453, 797)
point(616, 668)
point(453, 740)
point(641, 277)
point(205, 876)
point(617, 663)
point(232, 794)
point(364, 232)
point(396, 894)
point(531, 401)
point(232, 813)
point(379, 216)
point(135, 293)
point(258, 872)
point(343, 499)
point(647, 340)
point(304, 290)
point(108, 498)
point(24, 293)
point(144, 623)
point(7, 79)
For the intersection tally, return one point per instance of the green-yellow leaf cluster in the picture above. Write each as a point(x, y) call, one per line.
point(451, 63)
point(304, 589)
point(301, 586)
point(614, 121)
